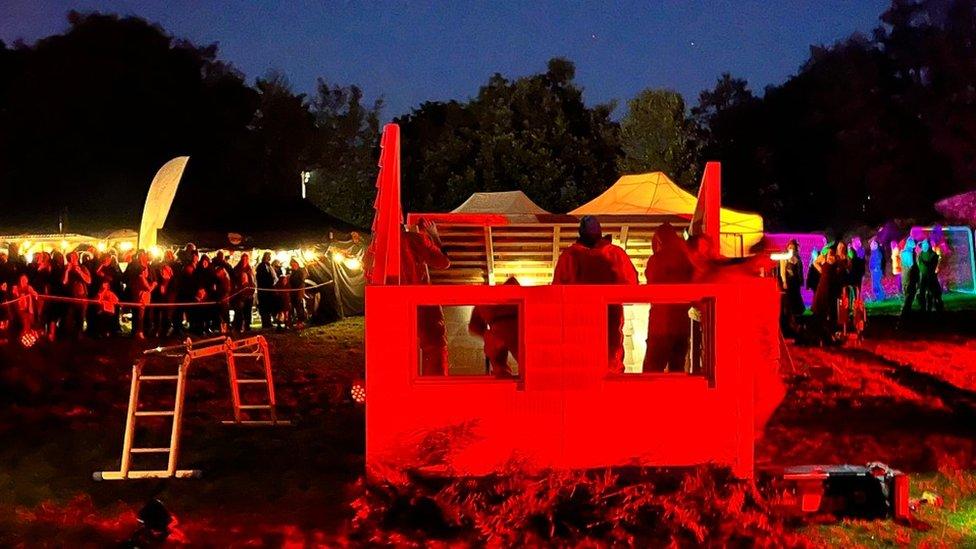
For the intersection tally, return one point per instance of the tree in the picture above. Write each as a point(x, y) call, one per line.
point(91, 114)
point(286, 129)
point(656, 135)
point(345, 153)
point(534, 134)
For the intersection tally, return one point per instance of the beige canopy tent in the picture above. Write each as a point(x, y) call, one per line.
point(511, 203)
point(654, 194)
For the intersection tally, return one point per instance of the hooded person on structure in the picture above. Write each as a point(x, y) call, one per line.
point(498, 327)
point(668, 325)
point(593, 259)
point(419, 252)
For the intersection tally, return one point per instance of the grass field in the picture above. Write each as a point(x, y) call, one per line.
point(906, 396)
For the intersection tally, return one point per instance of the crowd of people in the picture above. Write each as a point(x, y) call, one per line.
point(87, 292)
point(836, 276)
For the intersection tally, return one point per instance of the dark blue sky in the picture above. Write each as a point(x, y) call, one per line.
point(410, 52)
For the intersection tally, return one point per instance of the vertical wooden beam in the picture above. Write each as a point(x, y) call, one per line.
point(623, 236)
point(489, 256)
point(555, 247)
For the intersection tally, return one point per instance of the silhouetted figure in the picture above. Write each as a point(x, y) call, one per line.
point(266, 279)
point(419, 252)
point(668, 325)
point(498, 327)
point(593, 259)
point(929, 288)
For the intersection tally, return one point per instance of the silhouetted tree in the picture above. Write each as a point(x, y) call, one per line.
point(345, 153)
point(534, 134)
point(657, 135)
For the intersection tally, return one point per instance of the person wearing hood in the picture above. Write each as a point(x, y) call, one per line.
point(421, 251)
point(668, 325)
point(929, 288)
point(593, 259)
point(498, 327)
point(876, 266)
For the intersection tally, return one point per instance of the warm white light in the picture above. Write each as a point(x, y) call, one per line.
point(64, 244)
point(784, 256)
point(338, 257)
point(155, 251)
point(358, 392)
point(125, 246)
point(101, 246)
point(26, 244)
point(310, 255)
point(282, 256)
point(353, 263)
point(30, 256)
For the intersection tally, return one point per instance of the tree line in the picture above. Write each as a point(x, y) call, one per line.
point(871, 128)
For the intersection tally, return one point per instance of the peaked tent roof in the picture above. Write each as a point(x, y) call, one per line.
point(507, 202)
point(655, 194)
point(960, 208)
point(647, 193)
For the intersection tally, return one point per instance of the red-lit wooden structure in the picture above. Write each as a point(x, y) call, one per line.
point(564, 409)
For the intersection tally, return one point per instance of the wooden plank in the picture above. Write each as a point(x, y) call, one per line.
point(489, 257)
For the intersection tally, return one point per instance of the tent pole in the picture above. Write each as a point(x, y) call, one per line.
point(335, 287)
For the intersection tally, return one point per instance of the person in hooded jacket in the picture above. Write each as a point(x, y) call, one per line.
point(668, 325)
point(498, 327)
point(421, 251)
point(593, 259)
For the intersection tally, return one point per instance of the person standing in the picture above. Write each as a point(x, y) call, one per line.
point(907, 256)
point(266, 279)
point(244, 284)
point(296, 282)
point(593, 259)
point(164, 294)
point(498, 328)
point(421, 251)
point(877, 270)
point(829, 288)
point(791, 276)
point(858, 266)
point(76, 279)
point(929, 288)
point(668, 325)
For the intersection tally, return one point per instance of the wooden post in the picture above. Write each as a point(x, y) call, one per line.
point(235, 394)
point(555, 247)
point(489, 256)
point(130, 420)
point(266, 358)
point(174, 441)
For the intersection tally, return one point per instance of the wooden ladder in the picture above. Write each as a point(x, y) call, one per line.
point(185, 353)
point(251, 349)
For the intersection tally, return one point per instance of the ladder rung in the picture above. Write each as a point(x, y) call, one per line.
point(248, 354)
point(255, 407)
point(155, 413)
point(252, 380)
point(158, 378)
point(117, 475)
point(149, 450)
point(258, 422)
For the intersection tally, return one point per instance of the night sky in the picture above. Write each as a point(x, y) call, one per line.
point(410, 52)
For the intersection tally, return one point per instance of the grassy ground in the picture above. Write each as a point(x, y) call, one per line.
point(906, 396)
point(66, 421)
